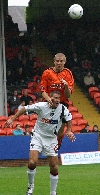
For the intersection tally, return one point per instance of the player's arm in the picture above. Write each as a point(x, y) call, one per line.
point(18, 113)
point(67, 91)
point(68, 118)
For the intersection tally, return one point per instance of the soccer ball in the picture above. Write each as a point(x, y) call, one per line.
point(75, 11)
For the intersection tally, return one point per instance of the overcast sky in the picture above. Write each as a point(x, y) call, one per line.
point(18, 2)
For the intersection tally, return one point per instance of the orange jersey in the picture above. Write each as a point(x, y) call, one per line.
point(51, 82)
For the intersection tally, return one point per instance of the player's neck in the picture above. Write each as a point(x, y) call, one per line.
point(56, 70)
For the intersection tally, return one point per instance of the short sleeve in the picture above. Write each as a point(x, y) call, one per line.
point(67, 114)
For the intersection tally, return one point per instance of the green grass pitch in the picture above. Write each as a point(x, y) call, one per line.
point(73, 180)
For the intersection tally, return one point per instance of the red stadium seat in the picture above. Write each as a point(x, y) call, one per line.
point(33, 117)
point(97, 97)
point(91, 128)
point(33, 97)
point(17, 122)
point(70, 103)
point(74, 123)
point(76, 129)
point(72, 109)
point(3, 119)
point(3, 132)
point(30, 84)
point(11, 117)
point(9, 131)
point(23, 118)
point(31, 124)
point(92, 91)
point(77, 116)
point(82, 123)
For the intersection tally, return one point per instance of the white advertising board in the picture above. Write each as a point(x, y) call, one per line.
point(80, 158)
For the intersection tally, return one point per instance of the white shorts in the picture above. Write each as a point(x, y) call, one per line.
point(48, 146)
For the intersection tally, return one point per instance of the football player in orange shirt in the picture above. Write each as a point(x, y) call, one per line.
point(60, 79)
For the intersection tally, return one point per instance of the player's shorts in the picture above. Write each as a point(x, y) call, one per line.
point(48, 146)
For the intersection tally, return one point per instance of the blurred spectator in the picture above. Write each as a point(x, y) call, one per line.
point(27, 130)
point(10, 78)
point(30, 60)
point(88, 80)
point(14, 102)
point(36, 86)
point(32, 50)
point(18, 61)
point(43, 67)
point(97, 79)
point(39, 97)
point(95, 129)
point(21, 105)
point(86, 129)
point(86, 65)
point(25, 97)
point(18, 130)
point(75, 63)
point(35, 70)
point(20, 76)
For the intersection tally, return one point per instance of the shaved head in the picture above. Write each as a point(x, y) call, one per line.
point(60, 55)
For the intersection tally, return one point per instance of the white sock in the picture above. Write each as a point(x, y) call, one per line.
point(31, 175)
point(53, 184)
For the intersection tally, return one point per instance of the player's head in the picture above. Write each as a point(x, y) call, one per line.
point(55, 96)
point(59, 61)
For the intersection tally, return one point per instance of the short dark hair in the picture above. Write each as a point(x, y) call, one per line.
point(54, 92)
point(27, 126)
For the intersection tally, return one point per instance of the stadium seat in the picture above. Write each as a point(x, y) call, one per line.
point(96, 97)
point(11, 117)
point(91, 128)
point(30, 84)
point(3, 126)
point(82, 123)
point(76, 129)
point(17, 122)
point(70, 103)
point(31, 124)
point(23, 118)
point(33, 97)
point(92, 91)
point(2, 132)
point(77, 116)
point(72, 109)
point(33, 117)
point(3, 119)
point(74, 123)
point(9, 131)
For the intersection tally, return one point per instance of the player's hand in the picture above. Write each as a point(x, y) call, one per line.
point(64, 82)
point(50, 102)
point(71, 136)
point(8, 122)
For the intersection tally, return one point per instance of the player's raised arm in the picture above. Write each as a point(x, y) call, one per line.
point(18, 113)
point(69, 133)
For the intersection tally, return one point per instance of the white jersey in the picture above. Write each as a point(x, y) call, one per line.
point(49, 120)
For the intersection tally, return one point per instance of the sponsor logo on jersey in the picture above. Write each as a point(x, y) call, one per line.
point(49, 121)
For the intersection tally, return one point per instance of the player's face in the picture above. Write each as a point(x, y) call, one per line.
point(59, 63)
point(55, 100)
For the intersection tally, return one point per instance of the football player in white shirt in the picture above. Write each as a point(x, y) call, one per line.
point(44, 138)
